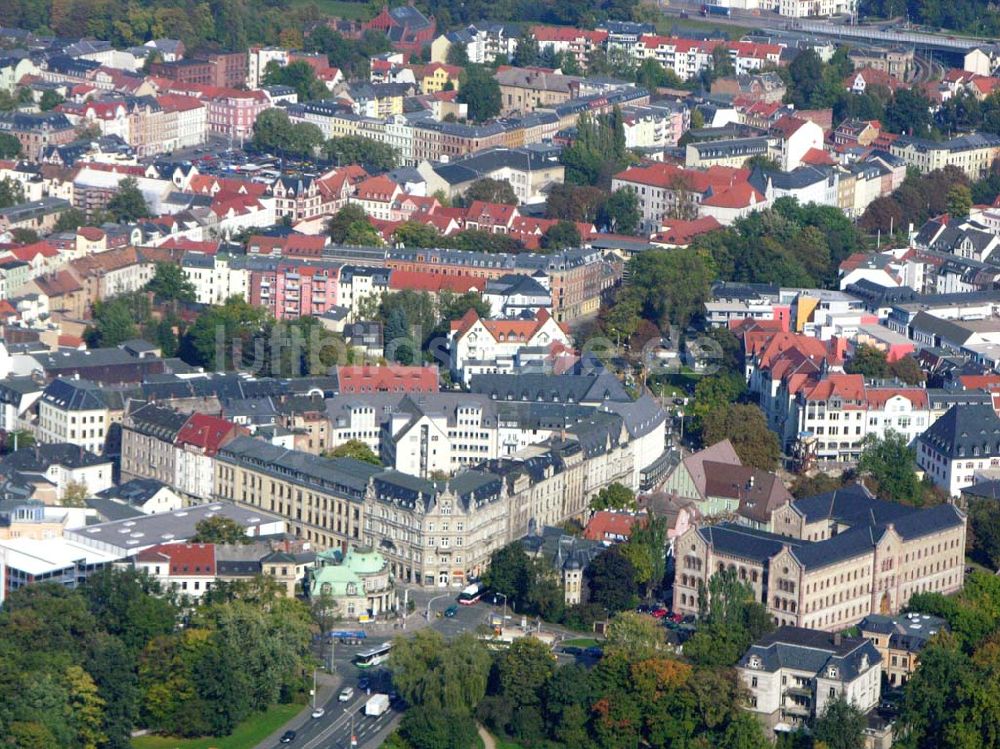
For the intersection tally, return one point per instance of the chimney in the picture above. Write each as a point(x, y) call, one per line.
point(838, 639)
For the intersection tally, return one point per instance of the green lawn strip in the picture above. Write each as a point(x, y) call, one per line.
point(250, 732)
point(581, 642)
point(340, 8)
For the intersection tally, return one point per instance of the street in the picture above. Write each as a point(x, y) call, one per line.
point(333, 730)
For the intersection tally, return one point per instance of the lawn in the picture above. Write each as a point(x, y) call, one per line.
point(340, 8)
point(581, 642)
point(250, 732)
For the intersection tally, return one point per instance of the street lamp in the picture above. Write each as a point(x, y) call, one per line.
point(504, 596)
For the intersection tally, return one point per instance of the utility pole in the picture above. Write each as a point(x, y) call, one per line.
point(314, 689)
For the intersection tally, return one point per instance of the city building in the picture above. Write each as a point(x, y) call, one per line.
point(899, 640)
point(357, 583)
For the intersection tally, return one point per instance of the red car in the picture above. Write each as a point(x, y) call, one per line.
point(675, 618)
point(659, 613)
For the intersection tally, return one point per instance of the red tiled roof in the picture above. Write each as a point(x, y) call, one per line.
point(564, 34)
point(496, 214)
point(818, 157)
point(740, 195)
point(878, 397)
point(91, 233)
point(681, 233)
point(434, 282)
point(787, 125)
point(206, 432)
point(184, 559)
point(30, 251)
point(376, 188)
point(393, 378)
point(611, 526)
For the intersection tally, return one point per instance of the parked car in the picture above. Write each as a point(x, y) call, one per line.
point(364, 682)
point(643, 608)
point(319, 712)
point(659, 613)
point(287, 737)
point(346, 694)
point(451, 611)
point(675, 617)
point(571, 650)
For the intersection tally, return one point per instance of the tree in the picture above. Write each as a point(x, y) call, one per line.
point(169, 283)
point(909, 112)
point(397, 338)
point(868, 361)
point(75, 494)
point(128, 203)
point(458, 54)
point(611, 579)
point(598, 151)
point(220, 530)
point(416, 234)
point(841, 726)
point(115, 321)
point(526, 53)
point(809, 486)
point(907, 369)
point(350, 226)
point(428, 672)
point(272, 130)
point(491, 191)
point(671, 285)
point(959, 201)
point(575, 203)
point(480, 90)
point(614, 497)
point(70, 220)
point(452, 306)
point(636, 636)
point(523, 670)
point(890, 463)
point(561, 235)
point(23, 235)
point(356, 149)
point(356, 449)
point(746, 427)
point(509, 572)
point(10, 147)
point(298, 75)
point(621, 212)
point(984, 524)
point(425, 728)
point(50, 100)
point(712, 394)
point(18, 440)
point(11, 192)
point(223, 336)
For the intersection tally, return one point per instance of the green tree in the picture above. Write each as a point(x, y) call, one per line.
point(491, 191)
point(75, 494)
point(621, 212)
point(272, 130)
point(890, 464)
point(841, 726)
point(576, 203)
point(430, 672)
point(635, 636)
point(220, 530)
point(11, 192)
point(458, 55)
point(452, 306)
point(426, 728)
point(10, 147)
point(356, 449)
point(480, 91)
point(959, 200)
point(868, 361)
point(115, 321)
point(909, 111)
point(298, 75)
point(509, 572)
point(23, 235)
point(526, 54)
point(984, 524)
point(611, 579)
point(50, 100)
point(712, 394)
point(613, 497)
point(746, 427)
point(397, 337)
point(70, 220)
point(416, 234)
point(350, 226)
point(169, 283)
point(356, 149)
point(671, 285)
point(523, 671)
point(128, 203)
point(561, 235)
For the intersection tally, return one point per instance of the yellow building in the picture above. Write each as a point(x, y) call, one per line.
point(438, 75)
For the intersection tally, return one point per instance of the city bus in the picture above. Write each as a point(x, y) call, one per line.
point(373, 657)
point(471, 594)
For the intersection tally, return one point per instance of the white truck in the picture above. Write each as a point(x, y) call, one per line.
point(377, 704)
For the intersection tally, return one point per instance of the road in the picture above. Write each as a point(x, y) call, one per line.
point(333, 730)
point(871, 33)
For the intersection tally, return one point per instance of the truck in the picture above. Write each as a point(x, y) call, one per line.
point(716, 10)
point(377, 704)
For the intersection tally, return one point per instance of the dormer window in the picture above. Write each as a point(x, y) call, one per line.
point(831, 672)
point(754, 661)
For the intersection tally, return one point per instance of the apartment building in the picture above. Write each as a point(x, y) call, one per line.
point(832, 559)
point(961, 443)
point(974, 154)
point(899, 640)
point(148, 436)
point(793, 673)
point(77, 411)
point(291, 289)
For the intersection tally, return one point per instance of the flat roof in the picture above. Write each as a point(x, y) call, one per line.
point(40, 557)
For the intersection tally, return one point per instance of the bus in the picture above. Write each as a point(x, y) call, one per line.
point(373, 657)
point(471, 594)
